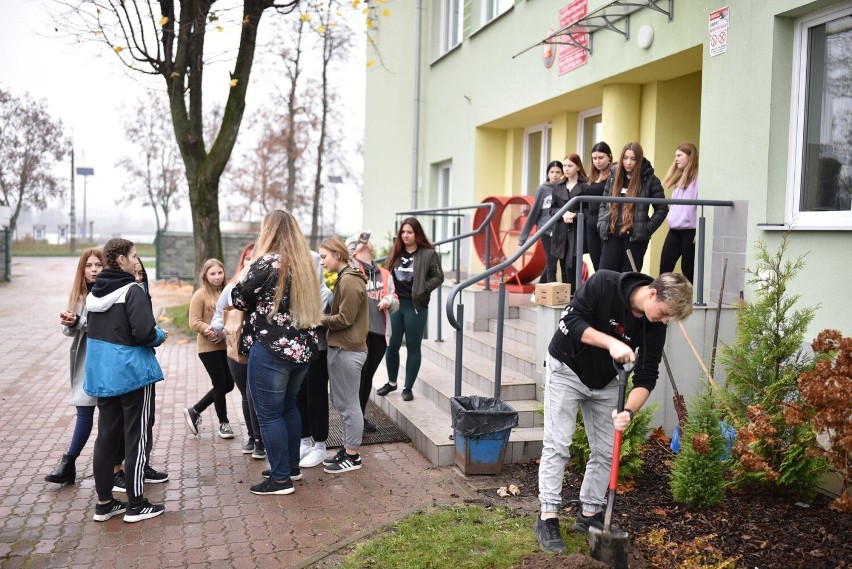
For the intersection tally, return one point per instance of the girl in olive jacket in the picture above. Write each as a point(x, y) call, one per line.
point(627, 226)
point(416, 271)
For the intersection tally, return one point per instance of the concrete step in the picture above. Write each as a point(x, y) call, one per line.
point(527, 313)
point(429, 427)
point(515, 329)
point(438, 385)
point(478, 369)
point(517, 356)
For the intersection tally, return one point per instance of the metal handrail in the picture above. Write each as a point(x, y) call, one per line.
point(572, 204)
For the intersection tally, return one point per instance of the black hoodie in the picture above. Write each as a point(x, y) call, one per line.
point(643, 226)
point(603, 303)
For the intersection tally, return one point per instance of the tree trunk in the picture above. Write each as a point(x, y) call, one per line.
point(327, 45)
point(204, 200)
point(295, 71)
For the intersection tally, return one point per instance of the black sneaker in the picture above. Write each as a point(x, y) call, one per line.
point(259, 451)
point(385, 389)
point(119, 484)
point(154, 477)
point(103, 512)
point(270, 487)
point(225, 431)
point(582, 523)
point(345, 463)
point(369, 426)
point(248, 448)
point(193, 419)
point(295, 473)
point(143, 511)
point(407, 395)
point(548, 535)
point(333, 459)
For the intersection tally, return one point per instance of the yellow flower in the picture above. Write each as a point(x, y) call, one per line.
point(305, 17)
point(321, 29)
point(386, 12)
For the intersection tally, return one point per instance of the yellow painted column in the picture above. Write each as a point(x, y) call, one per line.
point(563, 135)
point(620, 115)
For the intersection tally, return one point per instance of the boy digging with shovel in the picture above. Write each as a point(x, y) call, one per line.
point(613, 316)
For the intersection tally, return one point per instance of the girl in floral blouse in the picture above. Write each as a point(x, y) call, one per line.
point(280, 295)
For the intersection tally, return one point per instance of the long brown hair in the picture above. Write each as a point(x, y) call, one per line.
point(280, 234)
point(633, 188)
point(78, 289)
point(398, 247)
point(578, 162)
point(682, 178)
point(600, 175)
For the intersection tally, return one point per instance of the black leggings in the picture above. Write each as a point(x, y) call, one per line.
point(312, 400)
point(679, 244)
point(376, 348)
point(240, 374)
point(614, 254)
point(216, 364)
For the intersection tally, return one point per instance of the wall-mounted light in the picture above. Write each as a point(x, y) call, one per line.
point(645, 37)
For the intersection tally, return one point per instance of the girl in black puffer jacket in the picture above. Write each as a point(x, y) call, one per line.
point(627, 226)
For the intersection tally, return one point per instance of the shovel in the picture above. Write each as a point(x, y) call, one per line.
point(611, 546)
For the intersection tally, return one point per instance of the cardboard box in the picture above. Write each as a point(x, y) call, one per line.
point(551, 294)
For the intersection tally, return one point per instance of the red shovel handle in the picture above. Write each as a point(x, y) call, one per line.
point(616, 460)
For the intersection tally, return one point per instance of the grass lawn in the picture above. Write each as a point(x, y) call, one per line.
point(465, 536)
point(178, 318)
point(30, 248)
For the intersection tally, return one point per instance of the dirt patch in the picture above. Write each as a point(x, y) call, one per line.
point(758, 530)
point(169, 293)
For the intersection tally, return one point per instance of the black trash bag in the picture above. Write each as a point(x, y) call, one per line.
point(474, 415)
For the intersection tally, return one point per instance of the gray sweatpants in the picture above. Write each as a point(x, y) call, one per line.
point(563, 393)
point(344, 376)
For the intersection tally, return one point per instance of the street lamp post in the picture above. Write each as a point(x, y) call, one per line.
point(85, 172)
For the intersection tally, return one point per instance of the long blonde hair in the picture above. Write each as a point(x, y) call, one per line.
point(280, 234)
point(682, 178)
point(211, 292)
point(78, 289)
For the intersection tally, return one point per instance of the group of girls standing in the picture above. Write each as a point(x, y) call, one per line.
point(616, 231)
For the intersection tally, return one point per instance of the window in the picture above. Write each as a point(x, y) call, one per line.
point(451, 24)
point(536, 157)
point(493, 8)
point(444, 224)
point(590, 132)
point(820, 178)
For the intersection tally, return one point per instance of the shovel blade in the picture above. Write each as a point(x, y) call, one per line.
point(609, 546)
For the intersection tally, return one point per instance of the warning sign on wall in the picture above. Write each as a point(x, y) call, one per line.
point(719, 31)
point(572, 56)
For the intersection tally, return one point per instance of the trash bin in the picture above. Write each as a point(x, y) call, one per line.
point(481, 428)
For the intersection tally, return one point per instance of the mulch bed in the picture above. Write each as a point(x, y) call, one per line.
point(750, 530)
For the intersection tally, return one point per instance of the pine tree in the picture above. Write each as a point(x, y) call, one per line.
point(762, 366)
point(698, 470)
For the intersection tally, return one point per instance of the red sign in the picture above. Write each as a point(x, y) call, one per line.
point(571, 56)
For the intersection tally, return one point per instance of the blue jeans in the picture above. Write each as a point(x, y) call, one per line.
point(274, 385)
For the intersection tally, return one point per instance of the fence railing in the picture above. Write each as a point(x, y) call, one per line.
point(457, 320)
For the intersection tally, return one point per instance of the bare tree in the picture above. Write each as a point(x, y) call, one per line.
point(170, 42)
point(156, 172)
point(31, 143)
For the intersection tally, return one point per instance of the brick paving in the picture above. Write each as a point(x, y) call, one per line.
point(211, 518)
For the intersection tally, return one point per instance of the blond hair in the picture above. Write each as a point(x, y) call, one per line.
point(682, 178)
point(676, 291)
point(336, 246)
point(280, 234)
point(210, 291)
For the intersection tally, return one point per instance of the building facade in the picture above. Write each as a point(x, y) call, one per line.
point(461, 109)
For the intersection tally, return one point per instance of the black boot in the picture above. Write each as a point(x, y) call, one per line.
point(65, 473)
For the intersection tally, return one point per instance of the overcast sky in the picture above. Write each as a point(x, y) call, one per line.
point(86, 87)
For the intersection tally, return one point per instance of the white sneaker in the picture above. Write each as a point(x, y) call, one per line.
point(315, 457)
point(305, 447)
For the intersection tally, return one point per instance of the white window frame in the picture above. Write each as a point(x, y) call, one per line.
point(795, 219)
point(546, 130)
point(581, 135)
point(444, 193)
point(493, 8)
point(452, 24)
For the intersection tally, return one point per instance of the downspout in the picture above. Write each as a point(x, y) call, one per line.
point(415, 150)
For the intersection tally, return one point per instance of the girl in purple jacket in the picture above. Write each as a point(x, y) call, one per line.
point(680, 241)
